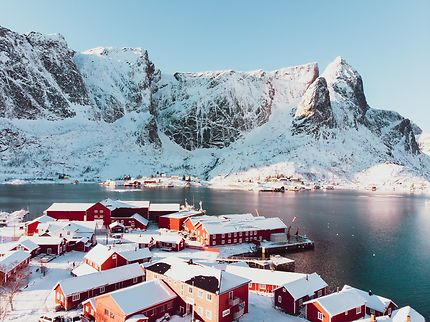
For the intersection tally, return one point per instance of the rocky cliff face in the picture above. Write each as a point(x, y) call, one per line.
point(38, 78)
point(106, 112)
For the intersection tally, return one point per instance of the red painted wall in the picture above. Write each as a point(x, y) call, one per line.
point(128, 212)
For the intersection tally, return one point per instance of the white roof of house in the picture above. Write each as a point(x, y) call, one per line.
point(100, 253)
point(305, 286)
point(264, 276)
point(84, 269)
point(373, 301)
point(136, 254)
point(140, 219)
point(118, 204)
point(44, 240)
point(138, 238)
point(135, 298)
point(383, 318)
point(168, 238)
point(69, 206)
point(239, 223)
point(42, 219)
point(12, 259)
point(183, 214)
point(28, 244)
point(401, 314)
point(204, 277)
point(136, 317)
point(339, 302)
point(164, 207)
point(116, 223)
point(90, 281)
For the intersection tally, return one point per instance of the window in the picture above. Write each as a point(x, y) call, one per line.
point(114, 256)
point(279, 299)
point(358, 310)
point(240, 233)
point(135, 280)
point(112, 316)
point(229, 235)
point(209, 297)
point(102, 289)
point(222, 242)
point(76, 297)
point(235, 240)
point(372, 311)
point(101, 211)
point(246, 239)
point(262, 286)
point(169, 305)
point(320, 316)
point(229, 241)
point(190, 290)
point(235, 235)
point(161, 309)
point(225, 313)
point(319, 293)
point(201, 294)
point(151, 312)
point(213, 243)
point(200, 310)
point(209, 315)
point(223, 235)
point(106, 312)
point(96, 211)
point(300, 302)
point(389, 311)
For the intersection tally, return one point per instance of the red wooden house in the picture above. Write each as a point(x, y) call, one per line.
point(22, 244)
point(31, 227)
point(263, 280)
point(343, 306)
point(71, 292)
point(291, 296)
point(375, 304)
point(103, 257)
point(134, 303)
point(80, 211)
point(171, 242)
point(127, 208)
point(222, 231)
point(175, 221)
point(136, 221)
point(214, 295)
point(11, 263)
point(49, 245)
point(142, 240)
point(160, 209)
point(89, 310)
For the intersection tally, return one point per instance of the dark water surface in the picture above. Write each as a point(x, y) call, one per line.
point(368, 240)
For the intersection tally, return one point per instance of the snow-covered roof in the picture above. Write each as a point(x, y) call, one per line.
point(136, 254)
point(136, 318)
point(12, 259)
point(135, 298)
point(44, 240)
point(140, 219)
point(90, 281)
point(307, 285)
point(42, 219)
point(69, 206)
point(401, 314)
point(100, 253)
point(28, 244)
point(164, 207)
point(168, 238)
point(118, 204)
point(84, 269)
point(139, 238)
point(221, 225)
point(373, 301)
point(339, 302)
point(204, 277)
point(183, 214)
point(116, 223)
point(264, 276)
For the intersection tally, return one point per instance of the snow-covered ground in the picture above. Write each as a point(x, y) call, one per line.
point(38, 298)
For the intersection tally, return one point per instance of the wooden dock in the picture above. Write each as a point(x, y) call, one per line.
point(295, 244)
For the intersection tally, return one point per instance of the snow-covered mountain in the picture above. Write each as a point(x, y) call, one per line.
point(108, 112)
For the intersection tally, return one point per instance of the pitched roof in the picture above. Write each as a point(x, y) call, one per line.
point(44, 240)
point(140, 219)
point(119, 204)
point(28, 244)
point(135, 298)
point(100, 253)
point(12, 259)
point(84, 269)
point(69, 206)
point(164, 207)
point(41, 219)
point(136, 254)
point(168, 238)
point(138, 238)
point(264, 276)
point(183, 214)
point(339, 302)
point(373, 301)
point(90, 281)
point(305, 286)
point(116, 223)
point(401, 314)
point(204, 277)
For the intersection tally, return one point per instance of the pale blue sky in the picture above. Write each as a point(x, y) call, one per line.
point(387, 41)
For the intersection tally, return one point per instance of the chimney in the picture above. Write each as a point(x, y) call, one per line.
point(370, 293)
point(408, 318)
point(372, 318)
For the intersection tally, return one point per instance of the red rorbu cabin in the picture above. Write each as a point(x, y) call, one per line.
point(175, 221)
point(80, 212)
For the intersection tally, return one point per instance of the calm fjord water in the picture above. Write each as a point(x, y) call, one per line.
point(365, 239)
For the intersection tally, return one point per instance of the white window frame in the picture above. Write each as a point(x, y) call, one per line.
point(225, 313)
point(102, 289)
point(200, 294)
point(320, 316)
point(358, 310)
point(208, 314)
point(76, 297)
point(209, 297)
point(279, 299)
